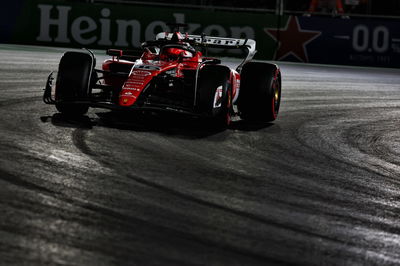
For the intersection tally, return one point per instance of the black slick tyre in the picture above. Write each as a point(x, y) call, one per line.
point(73, 82)
point(260, 92)
point(214, 95)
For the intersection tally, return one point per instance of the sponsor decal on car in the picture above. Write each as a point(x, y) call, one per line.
point(132, 89)
point(133, 83)
point(141, 73)
point(218, 97)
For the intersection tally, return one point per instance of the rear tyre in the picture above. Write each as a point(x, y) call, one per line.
point(260, 92)
point(74, 82)
point(214, 95)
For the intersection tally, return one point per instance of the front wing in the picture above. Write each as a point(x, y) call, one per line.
point(96, 102)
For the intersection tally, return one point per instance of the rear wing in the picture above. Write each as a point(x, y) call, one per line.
point(216, 42)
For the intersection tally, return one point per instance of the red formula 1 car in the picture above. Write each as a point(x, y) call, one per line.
point(170, 75)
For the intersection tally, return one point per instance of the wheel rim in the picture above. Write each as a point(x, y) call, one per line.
point(275, 98)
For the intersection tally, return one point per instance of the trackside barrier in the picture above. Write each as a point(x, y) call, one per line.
point(369, 42)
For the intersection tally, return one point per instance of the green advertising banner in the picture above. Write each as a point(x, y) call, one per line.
point(58, 23)
point(326, 40)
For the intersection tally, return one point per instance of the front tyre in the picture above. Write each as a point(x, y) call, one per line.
point(214, 95)
point(73, 84)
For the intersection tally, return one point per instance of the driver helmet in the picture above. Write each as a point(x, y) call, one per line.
point(173, 53)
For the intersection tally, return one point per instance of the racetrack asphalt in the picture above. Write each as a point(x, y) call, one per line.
point(319, 186)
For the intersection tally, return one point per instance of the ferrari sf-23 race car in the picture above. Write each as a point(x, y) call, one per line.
point(170, 75)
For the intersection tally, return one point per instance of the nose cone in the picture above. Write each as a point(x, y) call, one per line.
point(134, 86)
point(127, 98)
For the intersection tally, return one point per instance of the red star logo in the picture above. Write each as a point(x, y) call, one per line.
point(292, 40)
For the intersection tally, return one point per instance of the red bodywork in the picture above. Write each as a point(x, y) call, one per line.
point(150, 65)
point(169, 76)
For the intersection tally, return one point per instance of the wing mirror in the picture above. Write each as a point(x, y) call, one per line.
point(114, 52)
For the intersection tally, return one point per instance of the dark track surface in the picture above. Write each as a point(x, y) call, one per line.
point(320, 186)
